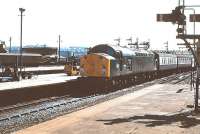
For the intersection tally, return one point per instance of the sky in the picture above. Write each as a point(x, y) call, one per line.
point(88, 22)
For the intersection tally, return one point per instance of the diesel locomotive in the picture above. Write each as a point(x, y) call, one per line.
point(113, 61)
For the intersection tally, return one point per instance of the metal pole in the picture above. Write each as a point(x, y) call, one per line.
point(191, 79)
point(197, 79)
point(21, 15)
point(196, 106)
point(10, 44)
point(59, 48)
point(197, 66)
point(194, 32)
point(197, 91)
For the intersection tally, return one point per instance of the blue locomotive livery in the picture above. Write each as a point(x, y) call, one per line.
point(110, 61)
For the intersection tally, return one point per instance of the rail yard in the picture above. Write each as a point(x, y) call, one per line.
point(106, 87)
point(106, 72)
point(143, 109)
point(28, 114)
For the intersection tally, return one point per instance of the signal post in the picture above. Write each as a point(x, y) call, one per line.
point(177, 16)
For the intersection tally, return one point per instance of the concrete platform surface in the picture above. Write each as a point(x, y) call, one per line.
point(157, 109)
point(44, 68)
point(37, 80)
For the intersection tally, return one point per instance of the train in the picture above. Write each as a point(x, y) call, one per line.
point(106, 61)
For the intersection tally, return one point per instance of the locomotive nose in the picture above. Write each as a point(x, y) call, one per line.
point(95, 65)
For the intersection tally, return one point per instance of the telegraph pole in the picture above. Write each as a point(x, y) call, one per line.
point(21, 15)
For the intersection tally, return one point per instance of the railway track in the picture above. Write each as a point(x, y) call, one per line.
point(22, 105)
point(37, 106)
point(183, 78)
point(176, 78)
point(23, 115)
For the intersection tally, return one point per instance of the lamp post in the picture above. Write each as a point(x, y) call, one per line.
point(20, 59)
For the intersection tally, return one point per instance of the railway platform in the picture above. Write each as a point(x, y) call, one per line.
point(45, 68)
point(39, 86)
point(51, 69)
point(157, 109)
point(40, 80)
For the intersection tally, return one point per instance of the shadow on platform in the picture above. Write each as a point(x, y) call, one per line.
point(185, 120)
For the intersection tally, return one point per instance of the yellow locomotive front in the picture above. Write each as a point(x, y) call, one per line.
point(96, 65)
